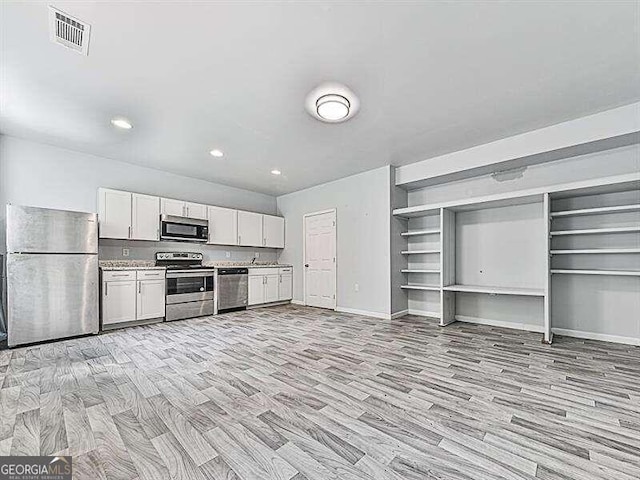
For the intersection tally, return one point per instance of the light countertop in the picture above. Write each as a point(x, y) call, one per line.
point(129, 265)
point(150, 265)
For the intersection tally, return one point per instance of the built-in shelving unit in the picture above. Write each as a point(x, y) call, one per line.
point(521, 250)
point(595, 263)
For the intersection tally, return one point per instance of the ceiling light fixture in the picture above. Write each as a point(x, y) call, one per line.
point(275, 172)
point(121, 123)
point(216, 153)
point(332, 103)
point(332, 107)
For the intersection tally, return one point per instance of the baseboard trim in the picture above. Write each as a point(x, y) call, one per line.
point(605, 337)
point(399, 314)
point(499, 323)
point(271, 304)
point(297, 302)
point(364, 313)
point(424, 313)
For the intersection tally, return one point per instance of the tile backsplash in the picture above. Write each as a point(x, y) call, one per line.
point(139, 250)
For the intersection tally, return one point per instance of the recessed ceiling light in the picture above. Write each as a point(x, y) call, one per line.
point(332, 107)
point(332, 103)
point(121, 123)
point(216, 153)
point(275, 172)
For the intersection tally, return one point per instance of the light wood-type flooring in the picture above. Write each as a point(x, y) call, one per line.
point(293, 393)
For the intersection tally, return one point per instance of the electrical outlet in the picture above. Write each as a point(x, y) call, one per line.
point(356, 287)
point(125, 252)
point(257, 254)
point(227, 254)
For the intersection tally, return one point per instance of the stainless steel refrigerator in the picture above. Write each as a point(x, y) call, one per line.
point(52, 274)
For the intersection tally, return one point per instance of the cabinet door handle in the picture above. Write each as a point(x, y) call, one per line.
point(106, 289)
point(239, 239)
point(139, 287)
point(129, 232)
point(264, 242)
point(187, 208)
point(280, 278)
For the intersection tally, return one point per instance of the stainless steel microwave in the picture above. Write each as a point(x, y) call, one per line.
point(183, 229)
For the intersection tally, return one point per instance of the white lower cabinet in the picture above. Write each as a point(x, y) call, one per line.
point(285, 291)
point(256, 289)
point(151, 299)
point(118, 302)
point(271, 287)
point(129, 295)
point(267, 285)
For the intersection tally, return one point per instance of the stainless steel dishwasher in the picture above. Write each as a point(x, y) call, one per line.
point(232, 288)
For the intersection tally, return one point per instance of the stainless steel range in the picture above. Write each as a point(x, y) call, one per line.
point(190, 285)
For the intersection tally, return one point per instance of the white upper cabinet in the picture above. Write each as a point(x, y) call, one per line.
point(223, 226)
point(134, 216)
point(195, 210)
point(180, 208)
point(173, 207)
point(273, 231)
point(250, 229)
point(145, 217)
point(114, 213)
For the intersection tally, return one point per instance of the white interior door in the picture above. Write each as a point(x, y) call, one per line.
point(320, 259)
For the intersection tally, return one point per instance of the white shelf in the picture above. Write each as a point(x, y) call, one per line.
point(590, 231)
point(409, 270)
point(434, 288)
point(597, 211)
point(530, 195)
point(420, 232)
point(595, 250)
point(418, 252)
point(618, 273)
point(530, 292)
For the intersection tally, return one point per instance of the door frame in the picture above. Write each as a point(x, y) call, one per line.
point(304, 254)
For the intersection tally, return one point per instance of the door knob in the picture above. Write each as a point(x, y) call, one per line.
point(306, 265)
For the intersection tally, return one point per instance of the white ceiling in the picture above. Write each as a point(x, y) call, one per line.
point(432, 78)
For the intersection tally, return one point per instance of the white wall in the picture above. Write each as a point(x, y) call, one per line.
point(585, 167)
point(45, 176)
point(363, 241)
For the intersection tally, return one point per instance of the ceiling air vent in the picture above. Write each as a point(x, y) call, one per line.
point(69, 31)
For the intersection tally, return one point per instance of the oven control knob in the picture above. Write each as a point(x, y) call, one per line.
point(202, 289)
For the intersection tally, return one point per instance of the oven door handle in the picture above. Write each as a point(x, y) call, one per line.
point(200, 273)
